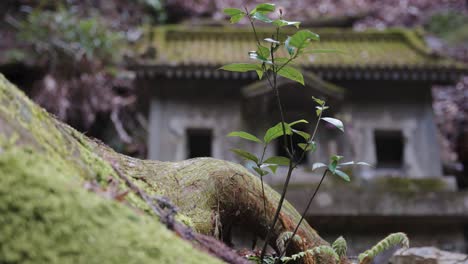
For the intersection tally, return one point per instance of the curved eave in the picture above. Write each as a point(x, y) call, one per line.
point(312, 81)
point(425, 73)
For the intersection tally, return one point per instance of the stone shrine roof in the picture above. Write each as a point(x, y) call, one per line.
point(180, 51)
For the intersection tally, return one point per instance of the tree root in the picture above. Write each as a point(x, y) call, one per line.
point(213, 195)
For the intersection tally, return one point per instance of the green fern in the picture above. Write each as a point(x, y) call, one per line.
point(340, 246)
point(283, 238)
point(388, 242)
point(327, 250)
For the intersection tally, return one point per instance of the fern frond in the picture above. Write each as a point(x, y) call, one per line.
point(283, 238)
point(340, 246)
point(327, 250)
point(386, 243)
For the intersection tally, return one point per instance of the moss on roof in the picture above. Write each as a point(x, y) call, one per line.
point(182, 45)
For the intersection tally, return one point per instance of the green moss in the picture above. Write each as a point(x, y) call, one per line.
point(410, 185)
point(48, 218)
point(46, 214)
point(397, 47)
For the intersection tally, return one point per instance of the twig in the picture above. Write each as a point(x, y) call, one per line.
point(303, 214)
point(278, 210)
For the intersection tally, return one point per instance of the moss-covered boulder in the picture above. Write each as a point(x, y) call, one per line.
point(63, 198)
point(47, 215)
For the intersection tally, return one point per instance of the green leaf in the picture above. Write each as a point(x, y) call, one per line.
point(334, 162)
point(261, 17)
point(302, 38)
point(244, 135)
point(263, 52)
point(290, 49)
point(320, 109)
point(273, 168)
point(343, 175)
point(276, 131)
point(292, 74)
point(337, 123)
point(260, 74)
point(298, 122)
point(241, 67)
point(303, 134)
point(319, 101)
point(318, 165)
point(260, 171)
point(282, 23)
point(232, 11)
point(256, 56)
point(336, 158)
point(246, 155)
point(307, 147)
point(278, 160)
point(236, 18)
point(235, 14)
point(270, 40)
point(282, 60)
point(263, 8)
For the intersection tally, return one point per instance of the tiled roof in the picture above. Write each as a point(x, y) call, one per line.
point(183, 49)
point(312, 81)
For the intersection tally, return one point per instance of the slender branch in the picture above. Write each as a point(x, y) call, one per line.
point(253, 26)
point(309, 142)
point(286, 63)
point(316, 127)
point(285, 187)
point(272, 85)
point(261, 179)
point(263, 194)
point(278, 210)
point(303, 215)
point(291, 165)
point(278, 102)
point(263, 153)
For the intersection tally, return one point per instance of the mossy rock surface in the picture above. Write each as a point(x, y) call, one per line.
point(46, 217)
point(46, 214)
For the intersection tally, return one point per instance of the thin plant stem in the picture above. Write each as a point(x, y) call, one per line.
point(264, 198)
point(291, 165)
point(261, 179)
point(314, 133)
point(278, 210)
point(303, 215)
point(269, 81)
